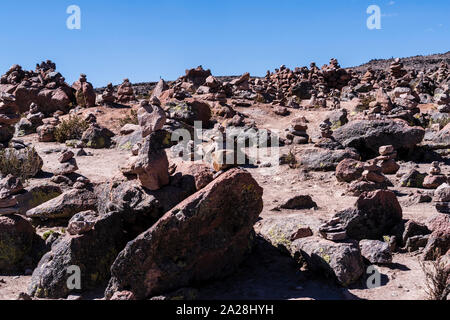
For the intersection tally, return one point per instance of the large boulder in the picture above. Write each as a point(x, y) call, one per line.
point(367, 136)
point(92, 251)
point(97, 137)
point(16, 241)
point(151, 164)
point(94, 238)
point(189, 111)
point(342, 260)
point(325, 160)
point(204, 237)
point(375, 251)
point(65, 205)
point(374, 215)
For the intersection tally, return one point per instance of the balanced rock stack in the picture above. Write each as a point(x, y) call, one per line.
point(373, 173)
point(85, 93)
point(434, 178)
point(368, 77)
point(386, 160)
point(442, 198)
point(325, 129)
point(151, 117)
point(46, 132)
point(442, 73)
point(125, 92)
point(297, 131)
point(151, 164)
point(10, 186)
point(33, 120)
point(442, 99)
point(67, 164)
point(108, 95)
point(9, 116)
point(396, 69)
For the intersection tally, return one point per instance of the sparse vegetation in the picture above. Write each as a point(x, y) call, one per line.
point(365, 102)
point(22, 167)
point(436, 277)
point(289, 159)
point(70, 129)
point(129, 118)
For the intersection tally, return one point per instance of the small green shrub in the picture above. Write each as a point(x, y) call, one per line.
point(23, 167)
point(70, 129)
point(436, 277)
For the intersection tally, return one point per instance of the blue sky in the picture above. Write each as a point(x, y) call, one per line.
point(143, 40)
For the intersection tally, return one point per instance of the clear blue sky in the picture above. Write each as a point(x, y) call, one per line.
point(146, 39)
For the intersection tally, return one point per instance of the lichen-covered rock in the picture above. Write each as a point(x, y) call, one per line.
point(189, 111)
point(367, 136)
point(65, 205)
point(341, 260)
point(374, 215)
point(204, 237)
point(280, 232)
point(97, 137)
point(349, 170)
point(16, 242)
point(93, 252)
point(413, 179)
point(325, 160)
point(376, 252)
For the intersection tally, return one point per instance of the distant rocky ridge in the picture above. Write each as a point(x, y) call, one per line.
point(416, 62)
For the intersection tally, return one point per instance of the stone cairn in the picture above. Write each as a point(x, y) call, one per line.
point(9, 116)
point(125, 92)
point(10, 187)
point(67, 164)
point(373, 173)
point(297, 131)
point(368, 77)
point(85, 93)
point(150, 163)
point(386, 160)
point(396, 69)
point(442, 74)
point(325, 129)
point(108, 95)
point(442, 198)
point(442, 99)
point(434, 178)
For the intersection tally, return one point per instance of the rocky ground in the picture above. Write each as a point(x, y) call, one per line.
point(91, 178)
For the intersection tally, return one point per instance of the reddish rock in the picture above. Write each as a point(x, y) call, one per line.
point(85, 93)
point(205, 237)
point(349, 170)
